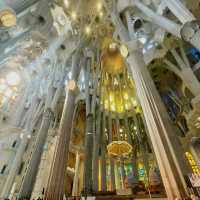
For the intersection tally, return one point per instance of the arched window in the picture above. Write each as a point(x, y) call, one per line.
point(14, 144)
point(3, 169)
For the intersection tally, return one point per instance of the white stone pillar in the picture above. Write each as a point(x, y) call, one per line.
point(15, 167)
point(76, 176)
point(161, 21)
point(157, 120)
point(55, 187)
point(190, 32)
point(20, 151)
point(179, 10)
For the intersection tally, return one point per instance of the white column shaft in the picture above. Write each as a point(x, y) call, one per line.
point(179, 10)
point(161, 21)
point(76, 176)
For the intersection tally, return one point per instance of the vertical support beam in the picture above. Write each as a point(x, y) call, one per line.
point(96, 153)
point(96, 127)
point(123, 174)
point(112, 163)
point(57, 181)
point(179, 10)
point(76, 175)
point(135, 171)
point(161, 21)
point(158, 122)
point(20, 151)
point(159, 126)
point(88, 155)
point(103, 155)
point(89, 135)
point(32, 168)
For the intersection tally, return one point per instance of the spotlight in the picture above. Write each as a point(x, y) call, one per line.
point(66, 3)
point(87, 30)
point(99, 6)
point(74, 15)
point(101, 14)
point(7, 17)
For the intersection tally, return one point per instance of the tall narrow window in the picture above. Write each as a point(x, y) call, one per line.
point(3, 169)
point(14, 144)
point(21, 168)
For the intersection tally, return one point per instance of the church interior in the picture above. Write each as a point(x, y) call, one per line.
point(99, 99)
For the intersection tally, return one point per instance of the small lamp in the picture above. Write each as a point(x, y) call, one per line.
point(7, 16)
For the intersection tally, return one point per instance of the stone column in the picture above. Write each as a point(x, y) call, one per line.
point(25, 136)
point(33, 164)
point(190, 32)
point(89, 136)
point(96, 127)
point(96, 153)
point(76, 175)
point(161, 132)
point(88, 154)
point(103, 155)
point(15, 167)
point(31, 172)
point(134, 153)
point(112, 163)
point(56, 183)
point(161, 21)
point(123, 174)
point(179, 10)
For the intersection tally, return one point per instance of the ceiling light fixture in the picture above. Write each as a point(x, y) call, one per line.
point(99, 6)
point(66, 3)
point(12, 79)
point(74, 15)
point(7, 17)
point(124, 51)
point(101, 14)
point(87, 30)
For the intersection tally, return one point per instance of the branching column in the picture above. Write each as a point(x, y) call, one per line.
point(134, 152)
point(160, 130)
point(96, 153)
point(112, 163)
point(25, 136)
point(56, 184)
point(76, 175)
point(161, 133)
point(179, 10)
point(103, 155)
point(190, 32)
point(30, 174)
point(89, 136)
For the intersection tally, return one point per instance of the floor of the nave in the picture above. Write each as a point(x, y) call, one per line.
point(117, 197)
point(121, 197)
